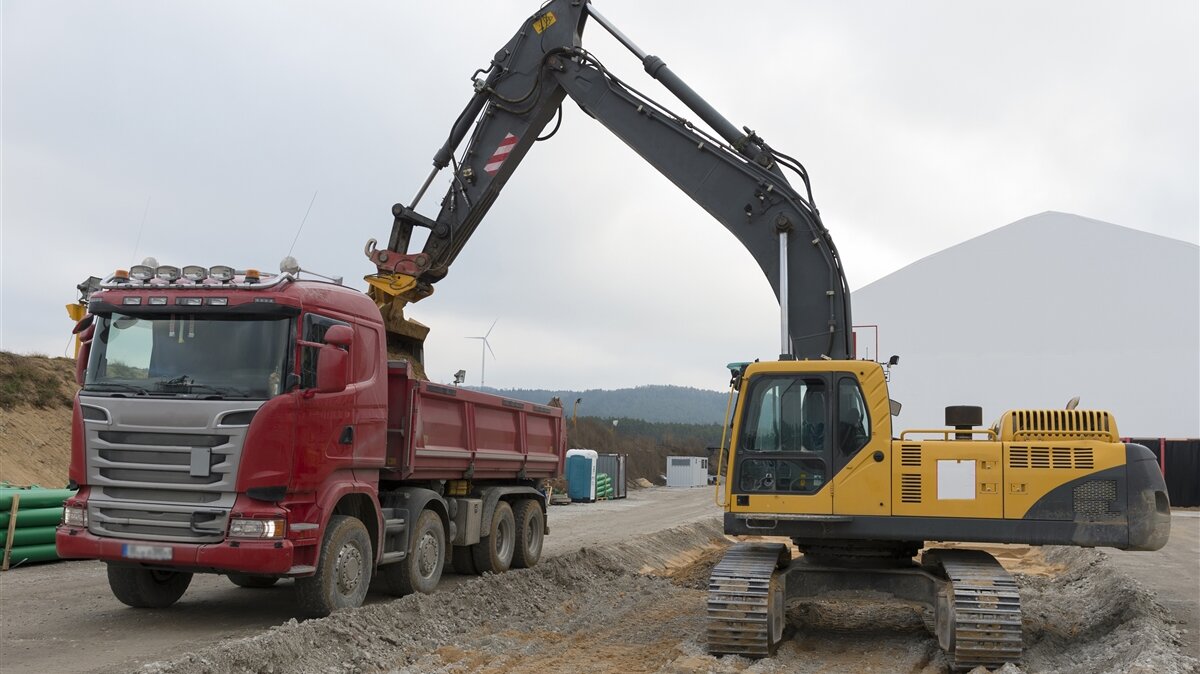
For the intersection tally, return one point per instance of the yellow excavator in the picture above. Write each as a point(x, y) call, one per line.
point(814, 458)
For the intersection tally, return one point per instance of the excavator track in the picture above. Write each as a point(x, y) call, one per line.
point(745, 600)
point(978, 611)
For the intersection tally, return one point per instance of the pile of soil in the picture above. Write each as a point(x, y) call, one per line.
point(634, 608)
point(35, 419)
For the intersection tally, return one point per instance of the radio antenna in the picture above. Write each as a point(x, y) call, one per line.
point(302, 221)
point(141, 228)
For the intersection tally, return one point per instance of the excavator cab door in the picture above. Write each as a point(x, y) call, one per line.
point(784, 459)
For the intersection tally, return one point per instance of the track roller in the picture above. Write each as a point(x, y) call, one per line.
point(746, 600)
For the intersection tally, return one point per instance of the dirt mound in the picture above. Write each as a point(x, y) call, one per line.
point(35, 419)
point(36, 381)
point(590, 611)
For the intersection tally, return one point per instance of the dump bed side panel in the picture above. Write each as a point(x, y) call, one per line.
point(441, 432)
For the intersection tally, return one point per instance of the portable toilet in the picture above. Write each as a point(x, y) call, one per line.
point(581, 475)
point(687, 471)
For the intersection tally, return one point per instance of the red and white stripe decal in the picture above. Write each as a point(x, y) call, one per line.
point(501, 153)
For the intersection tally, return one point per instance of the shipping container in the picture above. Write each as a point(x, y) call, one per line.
point(614, 466)
point(687, 471)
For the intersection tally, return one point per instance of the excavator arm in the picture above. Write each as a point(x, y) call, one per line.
point(735, 175)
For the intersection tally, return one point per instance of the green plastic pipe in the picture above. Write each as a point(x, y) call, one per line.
point(32, 553)
point(33, 517)
point(34, 498)
point(33, 536)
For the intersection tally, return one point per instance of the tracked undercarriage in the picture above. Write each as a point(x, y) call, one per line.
point(975, 604)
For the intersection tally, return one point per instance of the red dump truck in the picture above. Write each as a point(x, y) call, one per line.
point(251, 425)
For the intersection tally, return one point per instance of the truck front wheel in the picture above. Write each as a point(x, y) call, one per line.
point(343, 569)
point(494, 552)
point(147, 588)
point(531, 525)
point(422, 568)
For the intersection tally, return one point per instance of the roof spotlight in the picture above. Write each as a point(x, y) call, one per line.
point(194, 272)
point(140, 272)
point(220, 272)
point(167, 273)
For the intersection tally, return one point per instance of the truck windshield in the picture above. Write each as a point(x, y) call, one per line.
point(186, 355)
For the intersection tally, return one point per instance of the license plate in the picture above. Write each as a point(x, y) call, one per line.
point(155, 552)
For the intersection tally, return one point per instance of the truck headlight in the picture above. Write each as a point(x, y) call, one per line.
point(75, 516)
point(257, 528)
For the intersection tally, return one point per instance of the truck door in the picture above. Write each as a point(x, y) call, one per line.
point(326, 423)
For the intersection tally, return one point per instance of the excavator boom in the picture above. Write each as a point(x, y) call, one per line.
point(734, 175)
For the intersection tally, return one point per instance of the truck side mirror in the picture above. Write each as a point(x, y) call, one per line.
point(331, 368)
point(339, 335)
point(333, 361)
point(85, 350)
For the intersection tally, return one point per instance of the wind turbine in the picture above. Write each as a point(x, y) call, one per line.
point(482, 353)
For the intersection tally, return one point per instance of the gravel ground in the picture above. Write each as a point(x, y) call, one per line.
point(602, 610)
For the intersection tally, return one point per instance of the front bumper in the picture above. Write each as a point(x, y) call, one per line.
point(266, 558)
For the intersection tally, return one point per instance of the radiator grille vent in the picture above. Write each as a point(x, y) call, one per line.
point(1066, 458)
point(1095, 498)
point(1062, 423)
point(910, 455)
point(910, 488)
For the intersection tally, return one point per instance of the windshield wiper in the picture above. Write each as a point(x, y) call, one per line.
point(94, 386)
point(189, 385)
point(224, 390)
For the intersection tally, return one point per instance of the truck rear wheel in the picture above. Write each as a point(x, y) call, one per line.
point(422, 568)
point(147, 588)
point(343, 569)
point(494, 552)
point(531, 526)
point(251, 581)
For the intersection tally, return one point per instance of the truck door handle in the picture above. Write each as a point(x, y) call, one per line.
point(347, 436)
point(878, 456)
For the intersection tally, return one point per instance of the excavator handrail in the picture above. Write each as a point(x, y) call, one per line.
point(947, 432)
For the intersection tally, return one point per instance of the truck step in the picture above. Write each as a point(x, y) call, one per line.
point(297, 570)
point(392, 557)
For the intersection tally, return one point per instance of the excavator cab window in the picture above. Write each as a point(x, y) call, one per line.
point(784, 446)
point(853, 421)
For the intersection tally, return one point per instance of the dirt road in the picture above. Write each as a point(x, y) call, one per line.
point(591, 610)
point(62, 617)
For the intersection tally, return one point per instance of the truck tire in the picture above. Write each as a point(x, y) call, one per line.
point(147, 588)
point(421, 570)
point(343, 569)
point(463, 559)
point(494, 552)
point(531, 527)
point(251, 581)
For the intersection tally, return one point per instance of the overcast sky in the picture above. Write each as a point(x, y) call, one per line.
point(923, 124)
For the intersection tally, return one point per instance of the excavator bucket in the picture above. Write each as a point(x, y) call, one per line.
point(405, 337)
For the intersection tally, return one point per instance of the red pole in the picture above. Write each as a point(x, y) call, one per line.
point(1162, 456)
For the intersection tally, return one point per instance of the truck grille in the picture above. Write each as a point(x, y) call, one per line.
point(167, 523)
point(163, 470)
point(128, 458)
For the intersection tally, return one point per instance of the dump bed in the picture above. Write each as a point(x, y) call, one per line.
point(438, 432)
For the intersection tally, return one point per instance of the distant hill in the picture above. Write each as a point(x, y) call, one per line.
point(671, 404)
point(1049, 307)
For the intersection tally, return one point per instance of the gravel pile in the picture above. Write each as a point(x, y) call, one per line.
point(599, 610)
